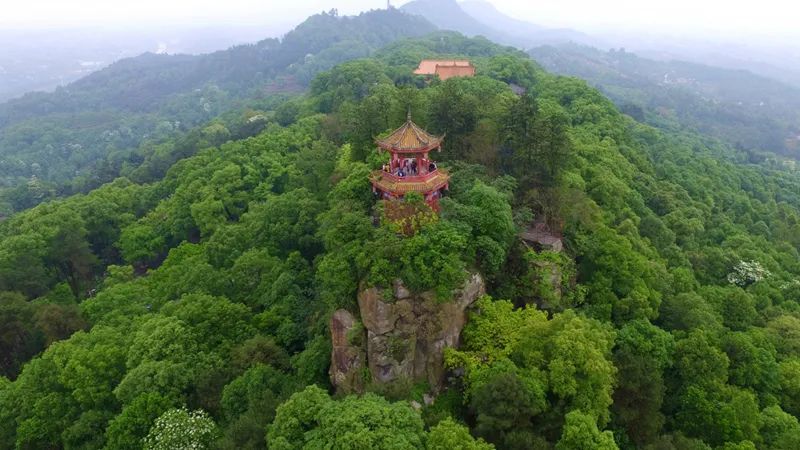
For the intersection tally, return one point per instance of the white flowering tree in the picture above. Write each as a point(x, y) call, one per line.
point(746, 273)
point(180, 429)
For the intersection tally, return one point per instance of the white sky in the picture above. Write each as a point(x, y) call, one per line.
point(767, 19)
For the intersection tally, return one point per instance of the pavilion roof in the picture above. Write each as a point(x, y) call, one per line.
point(408, 138)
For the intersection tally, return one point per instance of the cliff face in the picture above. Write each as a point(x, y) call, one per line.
point(400, 336)
point(347, 355)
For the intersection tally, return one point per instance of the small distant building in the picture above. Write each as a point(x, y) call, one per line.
point(410, 168)
point(446, 68)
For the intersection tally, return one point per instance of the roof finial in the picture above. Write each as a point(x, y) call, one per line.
point(408, 114)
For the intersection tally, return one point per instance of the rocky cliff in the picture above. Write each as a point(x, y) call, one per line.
point(398, 336)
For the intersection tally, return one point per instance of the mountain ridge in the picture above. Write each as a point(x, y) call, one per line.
point(81, 134)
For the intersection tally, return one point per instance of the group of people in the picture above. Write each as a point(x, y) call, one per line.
point(408, 168)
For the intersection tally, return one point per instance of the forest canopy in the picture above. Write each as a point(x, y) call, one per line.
point(198, 299)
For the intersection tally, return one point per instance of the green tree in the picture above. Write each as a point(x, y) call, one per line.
point(19, 336)
point(536, 132)
point(778, 428)
point(642, 353)
point(448, 434)
point(580, 431)
point(140, 243)
point(504, 409)
point(249, 402)
point(489, 215)
point(453, 111)
point(310, 418)
point(128, 429)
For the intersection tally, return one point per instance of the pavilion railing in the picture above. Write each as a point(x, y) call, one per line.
point(410, 178)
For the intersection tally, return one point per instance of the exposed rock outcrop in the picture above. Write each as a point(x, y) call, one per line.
point(347, 355)
point(404, 333)
point(541, 237)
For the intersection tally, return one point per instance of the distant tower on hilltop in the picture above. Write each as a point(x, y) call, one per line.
point(388, 4)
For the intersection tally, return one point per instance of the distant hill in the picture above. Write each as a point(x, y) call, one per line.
point(41, 59)
point(528, 34)
point(146, 82)
point(448, 15)
point(748, 110)
point(486, 13)
point(478, 17)
point(779, 60)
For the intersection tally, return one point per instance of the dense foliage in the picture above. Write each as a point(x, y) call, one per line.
point(199, 301)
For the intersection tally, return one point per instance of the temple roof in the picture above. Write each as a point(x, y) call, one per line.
point(409, 138)
point(429, 66)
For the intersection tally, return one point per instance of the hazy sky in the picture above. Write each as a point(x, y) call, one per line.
point(776, 19)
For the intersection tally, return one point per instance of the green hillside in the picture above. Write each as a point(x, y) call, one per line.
point(105, 124)
point(749, 111)
point(193, 310)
